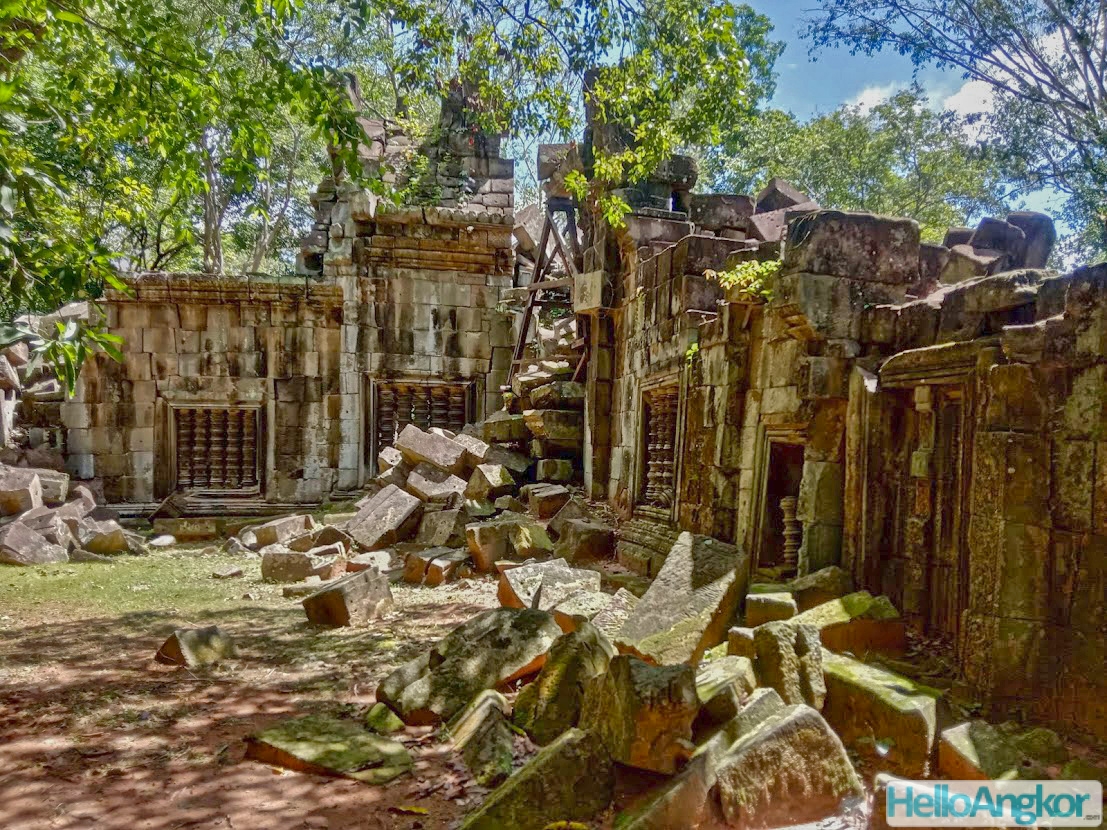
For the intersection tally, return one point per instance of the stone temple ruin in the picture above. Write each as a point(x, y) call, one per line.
point(926, 423)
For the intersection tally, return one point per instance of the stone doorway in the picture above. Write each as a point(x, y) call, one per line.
point(782, 481)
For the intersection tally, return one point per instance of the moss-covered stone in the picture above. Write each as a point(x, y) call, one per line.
point(328, 746)
point(555, 703)
point(194, 647)
point(1079, 769)
point(490, 650)
point(481, 734)
point(572, 779)
point(977, 751)
point(1042, 745)
point(382, 720)
point(790, 769)
point(722, 686)
point(643, 713)
point(880, 712)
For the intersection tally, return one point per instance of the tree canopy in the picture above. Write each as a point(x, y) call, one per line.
point(899, 158)
point(160, 134)
point(1046, 62)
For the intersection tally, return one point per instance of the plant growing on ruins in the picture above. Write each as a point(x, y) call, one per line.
point(751, 278)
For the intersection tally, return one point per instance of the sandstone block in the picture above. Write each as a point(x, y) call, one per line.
point(481, 734)
point(857, 246)
point(545, 501)
point(570, 780)
point(476, 450)
point(611, 619)
point(103, 536)
point(554, 469)
point(379, 559)
point(504, 427)
point(489, 651)
point(562, 394)
point(277, 532)
point(763, 608)
point(723, 685)
point(447, 567)
point(643, 713)
point(442, 528)
point(740, 642)
point(787, 662)
point(196, 647)
point(20, 491)
point(556, 425)
point(431, 484)
point(821, 586)
point(552, 703)
point(791, 769)
point(691, 604)
point(352, 600)
point(876, 709)
point(582, 541)
point(489, 481)
point(390, 516)
point(857, 623)
point(573, 509)
point(977, 751)
point(516, 462)
point(437, 450)
point(387, 458)
point(282, 565)
point(544, 584)
point(19, 545)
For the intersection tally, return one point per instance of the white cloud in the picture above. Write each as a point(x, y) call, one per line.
point(870, 96)
point(972, 98)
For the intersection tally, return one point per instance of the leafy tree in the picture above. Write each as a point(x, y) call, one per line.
point(898, 157)
point(134, 127)
point(1046, 62)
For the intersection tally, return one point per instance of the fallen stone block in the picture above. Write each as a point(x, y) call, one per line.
point(545, 501)
point(858, 623)
point(824, 585)
point(99, 536)
point(481, 734)
point(583, 541)
point(415, 564)
point(352, 600)
point(570, 780)
point(323, 536)
point(489, 481)
point(643, 713)
point(517, 463)
point(382, 720)
point(277, 532)
point(194, 647)
point(17, 354)
point(476, 450)
point(78, 555)
point(563, 427)
point(489, 651)
point(558, 470)
point(395, 476)
point(443, 528)
point(9, 377)
point(977, 751)
point(19, 545)
point(55, 486)
point(791, 769)
point(689, 607)
point(387, 458)
point(789, 660)
point(431, 484)
point(282, 565)
point(881, 713)
point(553, 702)
point(510, 504)
point(510, 535)
point(544, 584)
point(761, 704)
point(529, 539)
point(560, 394)
point(778, 194)
point(763, 608)
point(447, 567)
point(230, 572)
point(723, 686)
point(740, 642)
point(686, 800)
point(572, 509)
point(390, 516)
point(322, 745)
point(614, 615)
point(20, 491)
point(379, 559)
point(426, 447)
point(581, 605)
point(504, 427)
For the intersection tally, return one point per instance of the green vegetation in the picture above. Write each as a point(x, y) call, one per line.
point(898, 158)
point(751, 278)
point(1045, 64)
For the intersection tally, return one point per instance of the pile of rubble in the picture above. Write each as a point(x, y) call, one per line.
point(44, 521)
point(491, 499)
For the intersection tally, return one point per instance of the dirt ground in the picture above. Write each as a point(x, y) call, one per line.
point(95, 734)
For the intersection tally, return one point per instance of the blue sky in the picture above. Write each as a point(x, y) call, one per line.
point(811, 84)
point(808, 85)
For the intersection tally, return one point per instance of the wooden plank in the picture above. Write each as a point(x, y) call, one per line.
point(563, 282)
